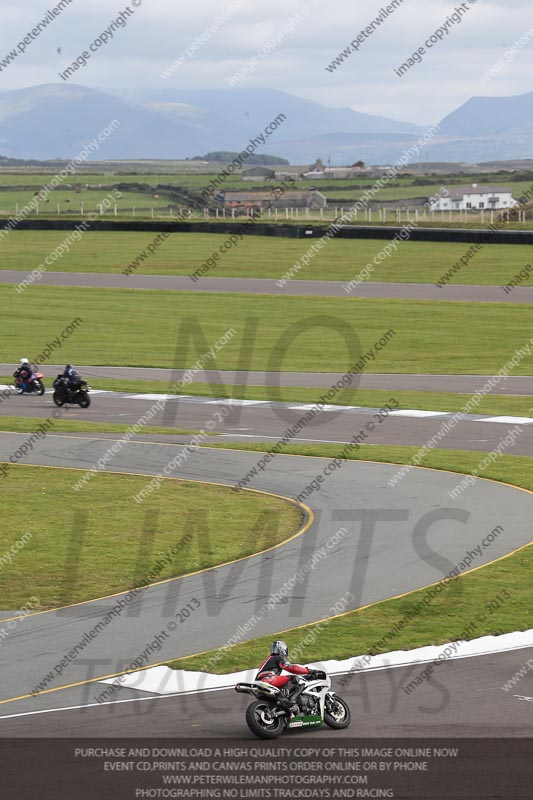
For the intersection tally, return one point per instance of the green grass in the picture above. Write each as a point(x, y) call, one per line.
point(141, 328)
point(262, 257)
point(401, 187)
point(117, 541)
point(449, 613)
point(32, 424)
point(68, 200)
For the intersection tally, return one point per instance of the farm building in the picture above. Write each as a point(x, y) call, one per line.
point(298, 199)
point(318, 171)
point(258, 174)
point(475, 197)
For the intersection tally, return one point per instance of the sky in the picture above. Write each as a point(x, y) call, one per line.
point(282, 44)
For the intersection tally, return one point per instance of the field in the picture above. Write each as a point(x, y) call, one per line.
point(154, 329)
point(264, 257)
point(118, 540)
point(339, 192)
point(69, 202)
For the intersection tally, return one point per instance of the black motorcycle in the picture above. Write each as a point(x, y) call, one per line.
point(67, 392)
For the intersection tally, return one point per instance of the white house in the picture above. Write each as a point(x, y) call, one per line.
point(475, 197)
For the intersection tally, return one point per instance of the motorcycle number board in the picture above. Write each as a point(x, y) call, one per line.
point(308, 721)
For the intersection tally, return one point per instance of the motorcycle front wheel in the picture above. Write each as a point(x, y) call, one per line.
point(336, 713)
point(84, 401)
point(261, 722)
point(59, 398)
point(39, 388)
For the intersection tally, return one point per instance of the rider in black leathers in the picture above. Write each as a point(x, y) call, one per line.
point(73, 377)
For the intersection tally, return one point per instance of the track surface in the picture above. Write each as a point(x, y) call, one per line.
point(268, 422)
point(394, 382)
point(465, 699)
point(389, 560)
point(295, 288)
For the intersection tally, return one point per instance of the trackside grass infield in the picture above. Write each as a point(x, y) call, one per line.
point(81, 545)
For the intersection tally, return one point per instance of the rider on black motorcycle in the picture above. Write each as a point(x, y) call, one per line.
point(24, 371)
point(72, 375)
point(69, 387)
point(272, 667)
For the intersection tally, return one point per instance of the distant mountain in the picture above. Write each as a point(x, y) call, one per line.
point(253, 109)
point(56, 120)
point(490, 116)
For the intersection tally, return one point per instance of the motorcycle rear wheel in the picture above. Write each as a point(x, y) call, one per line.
point(39, 388)
point(261, 723)
point(336, 713)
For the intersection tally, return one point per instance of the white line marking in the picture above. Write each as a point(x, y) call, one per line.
point(150, 396)
point(112, 703)
point(416, 413)
point(509, 420)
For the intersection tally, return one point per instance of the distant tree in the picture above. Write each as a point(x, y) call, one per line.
point(226, 156)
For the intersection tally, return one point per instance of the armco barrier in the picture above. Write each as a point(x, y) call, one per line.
point(461, 235)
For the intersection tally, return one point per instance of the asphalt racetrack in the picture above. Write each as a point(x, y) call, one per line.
point(267, 422)
point(410, 539)
point(293, 288)
point(466, 699)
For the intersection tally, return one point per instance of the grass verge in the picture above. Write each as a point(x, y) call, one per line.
point(265, 257)
point(159, 329)
point(33, 425)
point(370, 398)
point(448, 614)
point(97, 541)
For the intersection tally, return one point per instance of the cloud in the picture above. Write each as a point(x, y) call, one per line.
point(161, 31)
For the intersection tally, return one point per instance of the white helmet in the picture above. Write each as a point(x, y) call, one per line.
point(24, 361)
